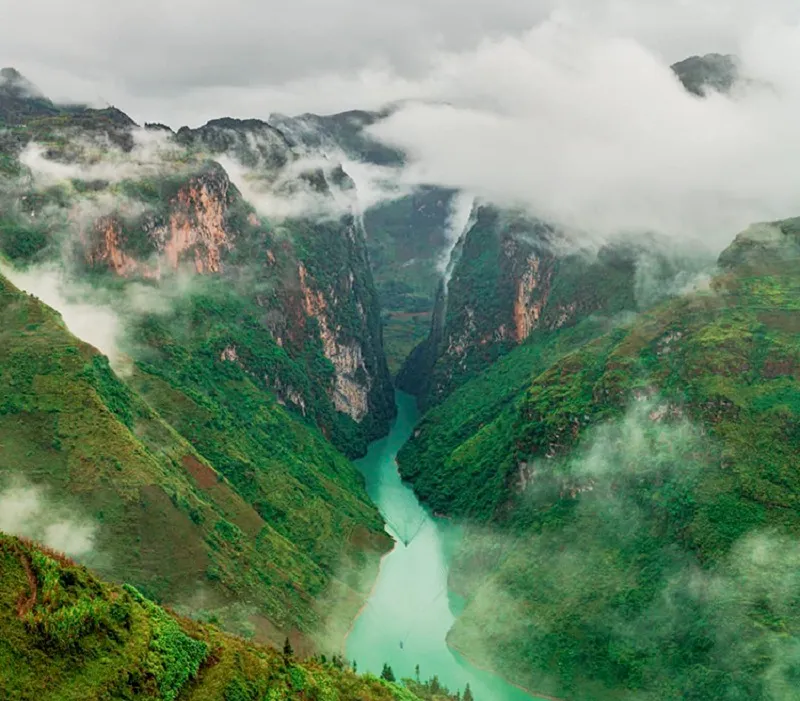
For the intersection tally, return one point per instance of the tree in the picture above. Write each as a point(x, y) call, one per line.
point(468, 694)
point(288, 651)
point(434, 685)
point(387, 673)
point(416, 673)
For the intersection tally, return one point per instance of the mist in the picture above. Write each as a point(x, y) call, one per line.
point(459, 222)
point(97, 159)
point(96, 324)
point(608, 535)
point(30, 512)
point(592, 131)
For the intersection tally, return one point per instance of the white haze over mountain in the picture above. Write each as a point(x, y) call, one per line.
point(187, 60)
point(596, 133)
point(566, 107)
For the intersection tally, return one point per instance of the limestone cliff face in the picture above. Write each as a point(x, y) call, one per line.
point(105, 248)
point(500, 285)
point(353, 382)
point(532, 292)
point(193, 232)
point(197, 225)
point(309, 279)
point(512, 276)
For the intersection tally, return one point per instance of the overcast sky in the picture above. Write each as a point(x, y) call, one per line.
point(185, 61)
point(567, 107)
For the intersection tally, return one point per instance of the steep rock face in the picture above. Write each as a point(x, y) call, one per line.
point(350, 396)
point(197, 223)
point(508, 281)
point(105, 249)
point(310, 279)
point(406, 236)
point(192, 229)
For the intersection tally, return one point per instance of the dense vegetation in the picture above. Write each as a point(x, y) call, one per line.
point(641, 495)
point(513, 276)
point(66, 635)
point(221, 432)
point(69, 423)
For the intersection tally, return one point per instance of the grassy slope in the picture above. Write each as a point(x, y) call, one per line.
point(653, 555)
point(67, 422)
point(65, 635)
point(446, 474)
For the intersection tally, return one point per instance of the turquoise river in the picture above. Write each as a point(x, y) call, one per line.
point(407, 617)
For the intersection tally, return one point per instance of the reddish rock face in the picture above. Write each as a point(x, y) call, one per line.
point(197, 224)
point(195, 232)
point(349, 396)
point(107, 248)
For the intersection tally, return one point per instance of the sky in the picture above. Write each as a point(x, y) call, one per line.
point(565, 107)
point(186, 61)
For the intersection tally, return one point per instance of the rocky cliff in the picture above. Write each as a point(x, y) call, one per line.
point(512, 276)
point(227, 278)
point(179, 213)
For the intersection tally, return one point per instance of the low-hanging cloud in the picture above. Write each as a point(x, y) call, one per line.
point(288, 194)
point(631, 481)
point(96, 324)
point(28, 511)
point(311, 55)
point(97, 159)
point(594, 132)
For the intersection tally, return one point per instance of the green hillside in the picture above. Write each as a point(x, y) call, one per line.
point(69, 424)
point(514, 277)
point(65, 635)
point(642, 496)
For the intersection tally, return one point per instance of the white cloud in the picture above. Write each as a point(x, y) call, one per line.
point(26, 511)
point(261, 56)
point(153, 153)
point(96, 324)
point(594, 132)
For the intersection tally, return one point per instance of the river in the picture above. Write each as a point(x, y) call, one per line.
point(410, 602)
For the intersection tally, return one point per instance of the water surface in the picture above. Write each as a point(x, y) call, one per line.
point(410, 602)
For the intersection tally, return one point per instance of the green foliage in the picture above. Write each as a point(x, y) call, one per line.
point(21, 241)
point(120, 645)
point(642, 491)
point(294, 511)
point(173, 657)
point(459, 457)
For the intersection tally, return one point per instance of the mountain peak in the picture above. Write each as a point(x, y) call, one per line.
point(712, 71)
point(12, 81)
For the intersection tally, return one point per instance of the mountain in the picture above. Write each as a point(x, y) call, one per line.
point(64, 634)
point(699, 74)
point(179, 211)
point(510, 276)
point(70, 425)
point(407, 232)
point(243, 349)
point(633, 494)
point(20, 99)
